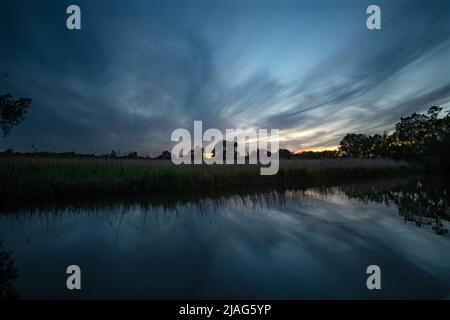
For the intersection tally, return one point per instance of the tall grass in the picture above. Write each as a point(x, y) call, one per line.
point(37, 178)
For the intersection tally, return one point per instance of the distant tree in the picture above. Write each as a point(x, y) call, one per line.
point(132, 155)
point(355, 145)
point(165, 155)
point(285, 154)
point(12, 112)
point(380, 145)
point(420, 137)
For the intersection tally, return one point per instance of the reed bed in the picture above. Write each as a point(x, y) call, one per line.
point(50, 178)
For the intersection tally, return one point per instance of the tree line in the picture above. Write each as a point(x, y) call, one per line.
point(418, 137)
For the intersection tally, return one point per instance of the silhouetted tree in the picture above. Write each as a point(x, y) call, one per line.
point(422, 137)
point(284, 154)
point(165, 155)
point(133, 155)
point(356, 145)
point(12, 112)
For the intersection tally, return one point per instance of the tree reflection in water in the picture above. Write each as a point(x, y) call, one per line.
point(423, 202)
point(8, 273)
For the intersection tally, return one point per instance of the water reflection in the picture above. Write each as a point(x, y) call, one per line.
point(8, 273)
point(284, 243)
point(425, 203)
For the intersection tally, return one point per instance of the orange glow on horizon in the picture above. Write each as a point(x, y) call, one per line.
point(316, 149)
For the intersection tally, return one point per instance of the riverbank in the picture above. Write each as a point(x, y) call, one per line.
point(50, 178)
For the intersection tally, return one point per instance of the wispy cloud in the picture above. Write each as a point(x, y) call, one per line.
point(134, 73)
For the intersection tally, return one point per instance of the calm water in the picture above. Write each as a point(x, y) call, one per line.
point(290, 244)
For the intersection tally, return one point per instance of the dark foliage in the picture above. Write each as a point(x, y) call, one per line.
point(165, 155)
point(8, 273)
point(12, 112)
point(419, 137)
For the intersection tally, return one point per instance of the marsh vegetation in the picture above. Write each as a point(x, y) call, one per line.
point(49, 178)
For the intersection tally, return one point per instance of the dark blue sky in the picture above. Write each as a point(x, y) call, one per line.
point(140, 69)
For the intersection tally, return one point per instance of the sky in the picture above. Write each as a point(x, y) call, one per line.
point(137, 70)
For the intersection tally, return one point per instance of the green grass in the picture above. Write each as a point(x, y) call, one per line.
point(47, 179)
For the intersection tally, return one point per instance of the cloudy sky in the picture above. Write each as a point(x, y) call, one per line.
point(137, 70)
